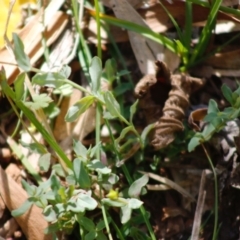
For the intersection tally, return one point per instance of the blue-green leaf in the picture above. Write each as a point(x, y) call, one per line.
point(134, 203)
point(81, 174)
point(111, 104)
point(49, 214)
point(227, 93)
point(194, 142)
point(133, 110)
point(126, 212)
point(44, 162)
point(79, 148)
point(136, 187)
point(22, 209)
point(86, 223)
point(212, 106)
point(50, 79)
point(20, 56)
point(19, 86)
point(78, 108)
point(86, 201)
point(110, 69)
point(95, 71)
point(99, 167)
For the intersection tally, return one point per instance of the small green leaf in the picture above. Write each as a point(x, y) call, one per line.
point(133, 110)
point(50, 79)
point(101, 236)
point(120, 202)
point(49, 214)
point(110, 68)
point(86, 201)
point(113, 178)
point(98, 167)
point(208, 131)
point(210, 116)
point(20, 56)
point(79, 148)
point(108, 115)
point(81, 174)
point(53, 228)
point(39, 101)
point(134, 203)
point(73, 207)
point(86, 223)
point(78, 108)
point(65, 90)
point(145, 132)
point(34, 147)
point(124, 132)
point(136, 233)
point(136, 187)
point(111, 104)
point(95, 71)
point(227, 93)
point(91, 235)
point(58, 169)
point(22, 209)
point(101, 225)
point(52, 110)
point(212, 106)
point(65, 71)
point(30, 189)
point(194, 142)
point(44, 162)
point(126, 212)
point(92, 151)
point(19, 86)
point(122, 88)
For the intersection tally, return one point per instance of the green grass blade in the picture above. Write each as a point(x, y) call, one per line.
point(53, 144)
point(206, 32)
point(179, 32)
point(224, 9)
point(188, 25)
point(144, 31)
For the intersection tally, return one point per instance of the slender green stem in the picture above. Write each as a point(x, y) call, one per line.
point(99, 49)
point(215, 228)
point(129, 179)
point(106, 222)
point(119, 233)
point(98, 128)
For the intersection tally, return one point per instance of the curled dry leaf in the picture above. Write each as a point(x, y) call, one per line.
point(196, 117)
point(173, 112)
point(152, 90)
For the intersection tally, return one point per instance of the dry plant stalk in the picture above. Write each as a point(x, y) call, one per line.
point(181, 86)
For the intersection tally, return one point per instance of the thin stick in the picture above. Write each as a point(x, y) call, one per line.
point(199, 208)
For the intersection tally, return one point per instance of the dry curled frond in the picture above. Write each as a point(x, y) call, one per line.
point(178, 87)
point(152, 90)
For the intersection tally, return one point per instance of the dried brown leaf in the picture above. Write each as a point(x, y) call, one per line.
point(174, 106)
point(225, 60)
point(196, 117)
point(174, 109)
point(142, 51)
point(31, 35)
point(152, 90)
point(32, 222)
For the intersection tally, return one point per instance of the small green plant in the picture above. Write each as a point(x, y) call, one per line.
point(216, 120)
point(65, 206)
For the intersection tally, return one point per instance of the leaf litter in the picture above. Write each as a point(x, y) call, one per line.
point(181, 205)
